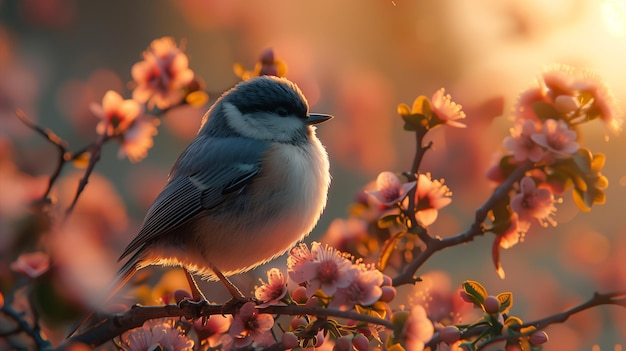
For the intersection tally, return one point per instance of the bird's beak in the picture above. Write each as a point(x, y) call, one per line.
point(315, 118)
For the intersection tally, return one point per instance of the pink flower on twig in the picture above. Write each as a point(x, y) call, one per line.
point(431, 195)
point(447, 110)
point(274, 290)
point(389, 189)
point(116, 114)
point(157, 334)
point(32, 264)
point(557, 139)
point(249, 325)
point(533, 203)
point(163, 74)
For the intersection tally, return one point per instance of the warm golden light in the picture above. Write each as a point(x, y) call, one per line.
point(614, 12)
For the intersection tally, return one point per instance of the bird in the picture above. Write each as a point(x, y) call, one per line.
point(252, 184)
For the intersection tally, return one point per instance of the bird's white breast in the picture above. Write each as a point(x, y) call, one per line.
point(283, 204)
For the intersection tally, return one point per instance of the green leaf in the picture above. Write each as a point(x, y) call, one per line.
point(387, 221)
point(414, 122)
point(545, 111)
point(387, 250)
point(476, 292)
point(506, 301)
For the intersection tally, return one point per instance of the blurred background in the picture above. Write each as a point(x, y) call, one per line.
point(356, 60)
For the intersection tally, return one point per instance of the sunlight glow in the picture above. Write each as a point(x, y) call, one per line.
point(614, 12)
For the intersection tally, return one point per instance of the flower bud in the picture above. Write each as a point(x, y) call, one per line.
point(298, 322)
point(491, 304)
point(539, 337)
point(299, 295)
point(360, 342)
point(313, 302)
point(290, 340)
point(389, 293)
point(343, 343)
point(450, 334)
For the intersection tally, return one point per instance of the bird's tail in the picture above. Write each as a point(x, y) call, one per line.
point(123, 276)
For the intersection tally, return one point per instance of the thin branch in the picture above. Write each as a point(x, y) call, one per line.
point(420, 149)
point(56, 140)
point(614, 298)
point(34, 333)
point(475, 229)
point(598, 299)
point(114, 325)
point(95, 157)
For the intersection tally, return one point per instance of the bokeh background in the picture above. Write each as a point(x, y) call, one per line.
point(356, 60)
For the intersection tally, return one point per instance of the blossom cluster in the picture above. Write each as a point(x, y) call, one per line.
point(163, 80)
point(545, 142)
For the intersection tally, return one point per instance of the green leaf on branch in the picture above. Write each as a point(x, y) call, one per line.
point(387, 249)
point(506, 301)
point(589, 183)
point(419, 116)
point(583, 172)
point(545, 111)
point(475, 291)
point(387, 221)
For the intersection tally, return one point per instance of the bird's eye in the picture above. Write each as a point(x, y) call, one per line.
point(281, 111)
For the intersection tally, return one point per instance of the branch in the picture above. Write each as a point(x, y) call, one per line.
point(614, 298)
point(114, 325)
point(22, 325)
point(95, 157)
point(57, 141)
point(420, 149)
point(435, 244)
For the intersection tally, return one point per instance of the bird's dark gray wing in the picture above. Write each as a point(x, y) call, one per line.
point(207, 172)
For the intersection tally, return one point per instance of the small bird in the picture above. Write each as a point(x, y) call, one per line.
point(250, 185)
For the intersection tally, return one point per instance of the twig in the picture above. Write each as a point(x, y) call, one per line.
point(34, 333)
point(115, 325)
point(475, 229)
point(420, 149)
point(57, 141)
point(614, 298)
point(598, 299)
point(93, 159)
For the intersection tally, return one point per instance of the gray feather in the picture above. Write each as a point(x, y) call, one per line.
point(215, 173)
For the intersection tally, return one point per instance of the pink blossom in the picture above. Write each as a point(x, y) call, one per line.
point(298, 256)
point(431, 195)
point(116, 114)
point(212, 331)
point(32, 264)
point(418, 329)
point(157, 334)
point(533, 203)
point(328, 271)
point(447, 110)
point(578, 96)
point(346, 234)
point(604, 101)
point(138, 139)
point(364, 290)
point(557, 139)
point(249, 325)
point(274, 290)
point(512, 235)
point(389, 189)
point(521, 144)
point(163, 74)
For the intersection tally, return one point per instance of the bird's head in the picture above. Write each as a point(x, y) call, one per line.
point(264, 108)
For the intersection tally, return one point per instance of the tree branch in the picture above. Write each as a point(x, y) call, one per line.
point(476, 228)
point(114, 325)
point(57, 141)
